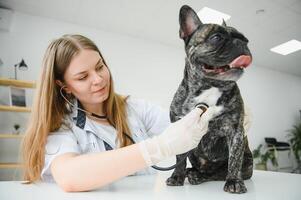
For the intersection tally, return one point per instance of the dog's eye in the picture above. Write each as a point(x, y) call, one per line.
point(215, 38)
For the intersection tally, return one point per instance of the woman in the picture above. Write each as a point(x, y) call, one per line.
point(77, 118)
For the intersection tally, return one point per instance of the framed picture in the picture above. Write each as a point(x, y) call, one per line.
point(17, 96)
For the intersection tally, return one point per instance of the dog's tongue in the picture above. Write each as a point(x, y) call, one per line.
point(241, 61)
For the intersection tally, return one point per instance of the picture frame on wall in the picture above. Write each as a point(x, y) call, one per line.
point(17, 96)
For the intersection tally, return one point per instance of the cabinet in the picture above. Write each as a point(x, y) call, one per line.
point(9, 136)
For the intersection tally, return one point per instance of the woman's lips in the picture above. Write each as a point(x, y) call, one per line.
point(100, 90)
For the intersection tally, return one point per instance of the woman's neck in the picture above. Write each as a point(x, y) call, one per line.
point(94, 108)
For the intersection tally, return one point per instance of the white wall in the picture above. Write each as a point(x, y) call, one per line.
point(274, 99)
point(148, 70)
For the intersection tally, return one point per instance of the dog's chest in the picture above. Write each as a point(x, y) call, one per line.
point(208, 96)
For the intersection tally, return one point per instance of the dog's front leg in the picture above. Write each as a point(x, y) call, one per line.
point(178, 176)
point(234, 182)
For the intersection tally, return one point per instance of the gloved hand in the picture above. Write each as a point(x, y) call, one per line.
point(179, 137)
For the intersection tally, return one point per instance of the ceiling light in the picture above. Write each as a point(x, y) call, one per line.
point(208, 15)
point(287, 47)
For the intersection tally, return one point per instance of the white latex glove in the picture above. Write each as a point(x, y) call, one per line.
point(179, 137)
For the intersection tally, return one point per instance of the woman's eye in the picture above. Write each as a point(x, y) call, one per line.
point(83, 78)
point(99, 67)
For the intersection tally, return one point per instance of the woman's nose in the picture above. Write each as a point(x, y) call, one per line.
point(97, 78)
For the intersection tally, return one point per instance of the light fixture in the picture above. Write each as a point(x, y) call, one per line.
point(21, 66)
point(209, 15)
point(287, 47)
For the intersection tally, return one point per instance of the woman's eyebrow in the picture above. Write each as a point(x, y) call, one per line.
point(98, 62)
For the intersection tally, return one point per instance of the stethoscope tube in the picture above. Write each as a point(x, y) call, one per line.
point(89, 113)
point(202, 106)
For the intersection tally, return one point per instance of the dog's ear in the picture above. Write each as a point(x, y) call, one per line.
point(189, 21)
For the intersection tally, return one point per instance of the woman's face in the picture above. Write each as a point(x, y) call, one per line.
point(88, 78)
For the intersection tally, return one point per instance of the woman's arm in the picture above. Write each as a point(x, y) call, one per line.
point(75, 172)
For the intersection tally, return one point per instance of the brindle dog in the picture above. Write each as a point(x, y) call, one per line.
point(216, 58)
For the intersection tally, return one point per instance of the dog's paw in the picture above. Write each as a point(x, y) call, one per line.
point(194, 177)
point(175, 180)
point(235, 186)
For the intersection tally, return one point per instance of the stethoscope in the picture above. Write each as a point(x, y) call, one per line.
point(71, 104)
point(202, 106)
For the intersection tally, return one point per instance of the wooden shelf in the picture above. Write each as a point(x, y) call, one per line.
point(14, 108)
point(10, 165)
point(17, 83)
point(20, 84)
point(11, 136)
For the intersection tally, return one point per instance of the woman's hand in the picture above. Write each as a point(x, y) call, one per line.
point(179, 137)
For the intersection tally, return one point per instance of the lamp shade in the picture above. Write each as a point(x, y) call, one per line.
point(22, 65)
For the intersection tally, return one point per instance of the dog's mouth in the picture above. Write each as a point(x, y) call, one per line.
point(240, 62)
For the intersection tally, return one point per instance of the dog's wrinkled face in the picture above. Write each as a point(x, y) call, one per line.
point(214, 51)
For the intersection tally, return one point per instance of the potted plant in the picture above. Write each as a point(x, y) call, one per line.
point(263, 157)
point(294, 137)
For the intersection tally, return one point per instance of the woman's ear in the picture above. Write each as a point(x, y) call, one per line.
point(65, 87)
point(59, 83)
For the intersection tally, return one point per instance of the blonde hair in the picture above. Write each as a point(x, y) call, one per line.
point(49, 108)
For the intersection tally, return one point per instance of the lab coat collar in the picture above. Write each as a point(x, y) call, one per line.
point(80, 119)
point(74, 110)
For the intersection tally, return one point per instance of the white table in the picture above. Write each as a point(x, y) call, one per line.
point(263, 185)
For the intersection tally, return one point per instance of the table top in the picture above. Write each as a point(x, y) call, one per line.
point(263, 185)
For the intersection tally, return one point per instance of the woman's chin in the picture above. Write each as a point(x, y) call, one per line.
point(100, 98)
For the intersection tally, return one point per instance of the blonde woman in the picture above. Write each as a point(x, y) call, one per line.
point(79, 131)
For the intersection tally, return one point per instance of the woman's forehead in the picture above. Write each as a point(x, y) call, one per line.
point(84, 60)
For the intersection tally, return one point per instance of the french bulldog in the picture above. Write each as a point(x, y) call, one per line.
point(216, 58)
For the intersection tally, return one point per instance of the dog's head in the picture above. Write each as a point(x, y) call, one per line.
point(214, 51)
